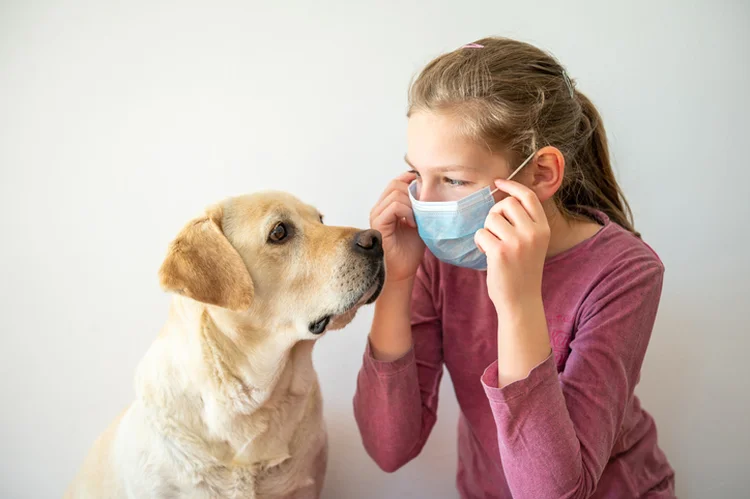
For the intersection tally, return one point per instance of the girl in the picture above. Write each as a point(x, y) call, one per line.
point(537, 294)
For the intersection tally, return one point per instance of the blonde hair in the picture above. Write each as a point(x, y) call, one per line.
point(515, 99)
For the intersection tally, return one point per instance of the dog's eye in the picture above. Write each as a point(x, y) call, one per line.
point(321, 218)
point(278, 233)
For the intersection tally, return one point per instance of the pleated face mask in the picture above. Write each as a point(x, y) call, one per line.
point(448, 227)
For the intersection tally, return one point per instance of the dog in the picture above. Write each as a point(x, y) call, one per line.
point(227, 401)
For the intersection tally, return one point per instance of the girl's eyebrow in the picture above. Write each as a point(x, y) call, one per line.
point(442, 169)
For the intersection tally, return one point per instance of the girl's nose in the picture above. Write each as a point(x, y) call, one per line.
point(426, 191)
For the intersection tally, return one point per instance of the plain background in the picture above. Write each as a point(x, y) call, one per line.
point(120, 122)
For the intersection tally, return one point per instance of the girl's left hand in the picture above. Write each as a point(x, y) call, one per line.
point(515, 238)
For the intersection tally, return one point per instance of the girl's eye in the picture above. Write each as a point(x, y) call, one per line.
point(415, 172)
point(454, 182)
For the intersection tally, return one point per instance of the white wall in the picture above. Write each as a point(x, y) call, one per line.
point(119, 123)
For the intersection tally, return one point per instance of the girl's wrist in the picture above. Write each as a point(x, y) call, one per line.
point(519, 307)
point(523, 339)
point(400, 287)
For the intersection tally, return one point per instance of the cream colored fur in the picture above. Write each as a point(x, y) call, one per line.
point(227, 401)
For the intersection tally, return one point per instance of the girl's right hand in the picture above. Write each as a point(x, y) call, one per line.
point(392, 216)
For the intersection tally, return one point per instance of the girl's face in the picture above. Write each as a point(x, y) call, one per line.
point(448, 165)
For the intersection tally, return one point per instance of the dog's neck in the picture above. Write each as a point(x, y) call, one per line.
point(226, 380)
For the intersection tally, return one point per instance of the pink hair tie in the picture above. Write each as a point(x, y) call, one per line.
point(473, 46)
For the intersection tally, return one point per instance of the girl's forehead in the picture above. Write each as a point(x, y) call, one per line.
point(435, 142)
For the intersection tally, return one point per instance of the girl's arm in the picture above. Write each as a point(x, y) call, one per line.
point(390, 335)
point(395, 404)
point(556, 432)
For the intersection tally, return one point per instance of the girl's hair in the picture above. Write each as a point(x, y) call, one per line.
point(516, 99)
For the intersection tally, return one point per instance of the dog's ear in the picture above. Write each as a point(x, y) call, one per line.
point(203, 265)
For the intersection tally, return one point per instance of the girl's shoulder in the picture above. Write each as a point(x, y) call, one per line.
point(611, 247)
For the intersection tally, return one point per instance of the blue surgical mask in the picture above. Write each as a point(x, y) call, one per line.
point(448, 227)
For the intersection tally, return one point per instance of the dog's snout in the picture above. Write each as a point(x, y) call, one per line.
point(369, 242)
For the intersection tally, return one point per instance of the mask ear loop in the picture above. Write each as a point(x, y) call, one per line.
point(515, 171)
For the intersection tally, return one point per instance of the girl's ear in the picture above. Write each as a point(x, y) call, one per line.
point(547, 169)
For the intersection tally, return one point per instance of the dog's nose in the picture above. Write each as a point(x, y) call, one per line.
point(369, 242)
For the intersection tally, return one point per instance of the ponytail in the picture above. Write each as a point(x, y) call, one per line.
point(592, 183)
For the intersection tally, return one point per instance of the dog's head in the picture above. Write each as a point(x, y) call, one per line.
point(269, 258)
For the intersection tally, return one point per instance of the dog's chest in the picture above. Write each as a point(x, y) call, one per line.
point(251, 482)
point(232, 479)
point(259, 439)
point(224, 482)
point(244, 441)
point(261, 480)
point(276, 445)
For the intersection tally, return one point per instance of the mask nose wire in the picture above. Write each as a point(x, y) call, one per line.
point(493, 191)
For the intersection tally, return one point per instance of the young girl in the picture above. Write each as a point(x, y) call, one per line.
point(537, 294)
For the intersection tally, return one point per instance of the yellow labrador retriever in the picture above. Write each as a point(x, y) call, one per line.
point(227, 402)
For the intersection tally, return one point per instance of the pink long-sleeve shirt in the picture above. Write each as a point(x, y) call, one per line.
point(573, 427)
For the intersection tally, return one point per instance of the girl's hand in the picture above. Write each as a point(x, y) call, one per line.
point(515, 238)
point(393, 217)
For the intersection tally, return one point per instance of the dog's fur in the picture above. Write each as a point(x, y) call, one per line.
point(227, 401)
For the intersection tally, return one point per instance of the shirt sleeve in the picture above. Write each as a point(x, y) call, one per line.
point(395, 404)
point(556, 431)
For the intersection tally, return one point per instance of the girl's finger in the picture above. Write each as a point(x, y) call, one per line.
point(486, 241)
point(499, 226)
point(525, 196)
point(393, 196)
point(511, 209)
point(394, 213)
point(400, 183)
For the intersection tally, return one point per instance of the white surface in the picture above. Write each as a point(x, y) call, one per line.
point(119, 123)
